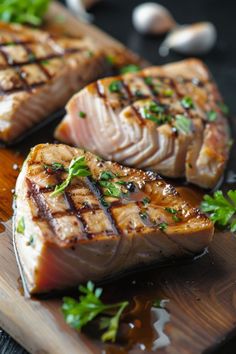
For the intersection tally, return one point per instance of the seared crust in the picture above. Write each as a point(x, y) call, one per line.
point(207, 140)
point(38, 74)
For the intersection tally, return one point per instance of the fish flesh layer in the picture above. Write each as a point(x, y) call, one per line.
point(169, 119)
point(102, 223)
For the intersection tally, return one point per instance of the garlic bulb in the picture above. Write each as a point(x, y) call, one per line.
point(78, 7)
point(198, 38)
point(152, 18)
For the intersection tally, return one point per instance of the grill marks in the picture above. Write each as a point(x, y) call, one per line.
point(51, 217)
point(127, 97)
point(32, 59)
point(70, 208)
point(43, 209)
point(95, 189)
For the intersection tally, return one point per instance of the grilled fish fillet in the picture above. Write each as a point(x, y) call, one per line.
point(169, 119)
point(39, 73)
point(90, 231)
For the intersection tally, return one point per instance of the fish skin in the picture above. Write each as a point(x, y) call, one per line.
point(115, 129)
point(73, 237)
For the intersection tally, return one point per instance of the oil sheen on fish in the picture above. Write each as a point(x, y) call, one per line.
point(169, 119)
point(112, 220)
point(39, 72)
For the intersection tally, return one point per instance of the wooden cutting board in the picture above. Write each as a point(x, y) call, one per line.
point(201, 293)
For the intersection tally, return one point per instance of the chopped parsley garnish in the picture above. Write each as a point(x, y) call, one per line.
point(176, 218)
point(45, 62)
point(21, 11)
point(187, 102)
point(148, 80)
point(145, 201)
point(107, 175)
point(143, 215)
point(77, 168)
point(78, 314)
point(115, 86)
point(54, 167)
point(163, 226)
point(211, 116)
point(174, 213)
point(111, 59)
point(167, 93)
point(224, 109)
point(138, 93)
point(21, 226)
point(90, 53)
point(104, 203)
point(32, 57)
point(82, 114)
point(171, 210)
point(131, 68)
point(183, 124)
point(31, 241)
point(111, 189)
point(156, 113)
point(221, 209)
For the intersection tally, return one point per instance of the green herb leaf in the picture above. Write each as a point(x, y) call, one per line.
point(54, 167)
point(183, 124)
point(211, 116)
point(45, 62)
point(167, 93)
point(145, 201)
point(163, 226)
point(107, 175)
point(111, 59)
point(111, 189)
point(21, 226)
point(82, 114)
point(174, 213)
point(115, 86)
point(221, 209)
point(31, 241)
point(131, 68)
point(22, 11)
point(224, 109)
point(171, 210)
point(90, 53)
point(187, 102)
point(143, 215)
point(148, 80)
point(79, 313)
point(77, 168)
point(156, 113)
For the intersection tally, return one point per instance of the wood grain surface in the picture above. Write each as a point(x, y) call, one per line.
point(201, 293)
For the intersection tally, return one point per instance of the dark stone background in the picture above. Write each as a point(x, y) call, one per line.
point(114, 16)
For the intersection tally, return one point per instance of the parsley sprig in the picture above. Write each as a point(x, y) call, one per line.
point(22, 11)
point(77, 168)
point(79, 313)
point(131, 68)
point(183, 124)
point(112, 188)
point(221, 209)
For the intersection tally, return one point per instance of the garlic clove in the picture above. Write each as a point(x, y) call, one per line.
point(78, 7)
point(196, 39)
point(152, 18)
